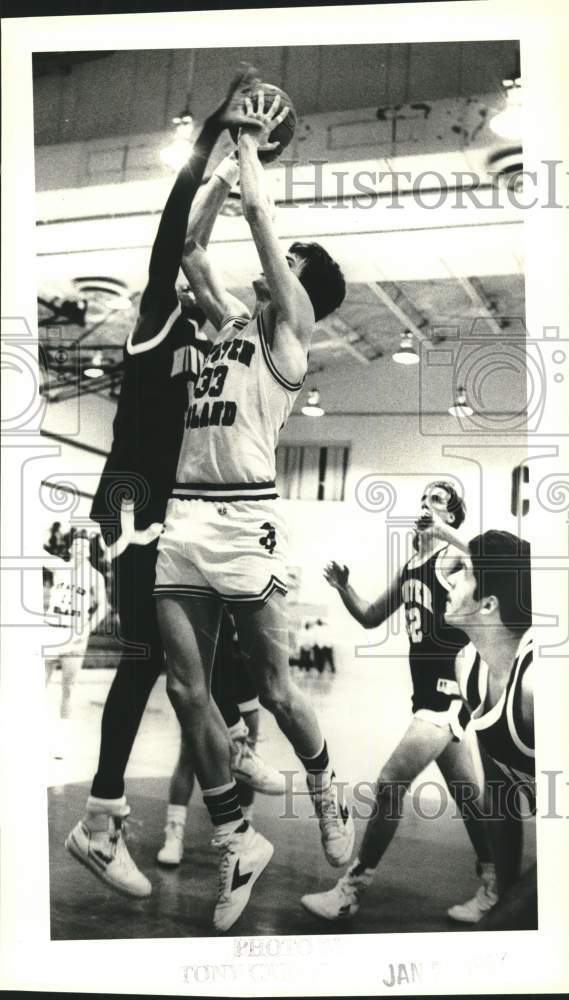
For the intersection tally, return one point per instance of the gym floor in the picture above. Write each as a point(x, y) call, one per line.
point(428, 867)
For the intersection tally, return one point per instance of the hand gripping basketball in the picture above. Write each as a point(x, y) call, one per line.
point(231, 112)
point(263, 109)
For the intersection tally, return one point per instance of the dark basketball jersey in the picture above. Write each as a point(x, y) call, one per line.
point(498, 728)
point(149, 423)
point(433, 644)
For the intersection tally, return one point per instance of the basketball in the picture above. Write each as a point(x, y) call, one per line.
point(284, 132)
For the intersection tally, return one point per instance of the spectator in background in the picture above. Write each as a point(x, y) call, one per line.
point(323, 650)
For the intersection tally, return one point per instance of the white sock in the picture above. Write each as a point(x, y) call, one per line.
point(225, 829)
point(176, 814)
point(110, 807)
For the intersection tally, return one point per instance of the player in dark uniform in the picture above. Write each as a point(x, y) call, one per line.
point(436, 726)
point(162, 359)
point(490, 598)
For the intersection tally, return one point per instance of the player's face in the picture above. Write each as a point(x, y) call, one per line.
point(435, 499)
point(461, 607)
point(295, 263)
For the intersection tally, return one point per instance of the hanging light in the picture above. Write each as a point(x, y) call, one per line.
point(312, 406)
point(406, 353)
point(177, 152)
point(508, 122)
point(460, 407)
point(95, 369)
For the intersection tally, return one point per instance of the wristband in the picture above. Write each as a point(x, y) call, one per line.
point(227, 171)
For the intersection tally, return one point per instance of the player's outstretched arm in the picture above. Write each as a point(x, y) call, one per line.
point(293, 312)
point(159, 297)
point(369, 614)
point(207, 286)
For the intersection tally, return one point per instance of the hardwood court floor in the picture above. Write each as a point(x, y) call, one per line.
point(428, 867)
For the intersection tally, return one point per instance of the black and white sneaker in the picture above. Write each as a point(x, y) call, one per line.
point(106, 855)
point(337, 830)
point(341, 902)
point(244, 857)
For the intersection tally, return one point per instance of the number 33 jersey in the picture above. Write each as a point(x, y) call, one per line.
point(433, 645)
point(239, 404)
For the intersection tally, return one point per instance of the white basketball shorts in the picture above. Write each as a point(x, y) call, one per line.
point(235, 550)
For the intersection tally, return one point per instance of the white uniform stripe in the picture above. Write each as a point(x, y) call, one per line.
point(183, 590)
point(148, 345)
point(290, 386)
point(524, 653)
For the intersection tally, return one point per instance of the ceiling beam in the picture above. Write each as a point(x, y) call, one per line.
point(338, 330)
point(477, 300)
point(397, 311)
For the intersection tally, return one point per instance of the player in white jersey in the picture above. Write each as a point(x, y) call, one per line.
point(225, 538)
point(490, 599)
point(77, 605)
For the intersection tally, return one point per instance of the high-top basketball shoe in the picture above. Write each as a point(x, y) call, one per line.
point(343, 900)
point(337, 830)
point(487, 896)
point(98, 843)
point(248, 767)
point(244, 855)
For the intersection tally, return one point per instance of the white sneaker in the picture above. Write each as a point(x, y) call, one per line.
point(337, 830)
point(252, 770)
point(244, 856)
point(474, 909)
point(341, 902)
point(172, 851)
point(105, 854)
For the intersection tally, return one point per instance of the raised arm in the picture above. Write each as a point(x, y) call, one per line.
point(291, 314)
point(369, 614)
point(217, 303)
point(159, 297)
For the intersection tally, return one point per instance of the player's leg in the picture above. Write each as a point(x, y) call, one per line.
point(100, 833)
point(233, 687)
point(70, 670)
point(141, 663)
point(516, 909)
point(422, 743)
point(181, 788)
point(461, 767)
point(504, 825)
point(263, 637)
point(190, 629)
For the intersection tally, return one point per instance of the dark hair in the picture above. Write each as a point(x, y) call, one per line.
point(502, 567)
point(321, 278)
point(455, 504)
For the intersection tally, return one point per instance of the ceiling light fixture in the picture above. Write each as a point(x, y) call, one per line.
point(312, 406)
point(95, 369)
point(460, 407)
point(104, 295)
point(406, 353)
